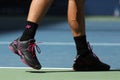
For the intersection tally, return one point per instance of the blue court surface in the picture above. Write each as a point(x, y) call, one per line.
point(56, 41)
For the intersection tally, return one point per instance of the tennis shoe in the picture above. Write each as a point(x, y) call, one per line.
point(89, 62)
point(26, 51)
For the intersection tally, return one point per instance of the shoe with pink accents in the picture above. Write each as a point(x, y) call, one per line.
point(26, 51)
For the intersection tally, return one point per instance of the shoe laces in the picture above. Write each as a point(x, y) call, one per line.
point(32, 47)
point(90, 49)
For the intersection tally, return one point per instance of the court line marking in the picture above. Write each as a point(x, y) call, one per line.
point(43, 68)
point(51, 68)
point(67, 43)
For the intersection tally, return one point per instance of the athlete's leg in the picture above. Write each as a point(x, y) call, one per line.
point(86, 59)
point(76, 17)
point(24, 46)
point(38, 9)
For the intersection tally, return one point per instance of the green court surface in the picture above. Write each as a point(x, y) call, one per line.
point(56, 74)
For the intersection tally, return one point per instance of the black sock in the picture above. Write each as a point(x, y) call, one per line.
point(81, 45)
point(29, 32)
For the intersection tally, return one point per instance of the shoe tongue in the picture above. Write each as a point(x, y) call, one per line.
point(31, 41)
point(26, 43)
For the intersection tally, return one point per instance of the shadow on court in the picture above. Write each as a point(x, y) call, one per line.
point(51, 71)
point(65, 71)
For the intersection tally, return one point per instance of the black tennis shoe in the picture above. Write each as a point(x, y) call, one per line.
point(26, 51)
point(89, 62)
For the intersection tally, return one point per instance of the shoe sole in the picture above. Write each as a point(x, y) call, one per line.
point(90, 68)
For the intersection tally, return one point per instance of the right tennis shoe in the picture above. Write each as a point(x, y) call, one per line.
point(26, 51)
point(89, 62)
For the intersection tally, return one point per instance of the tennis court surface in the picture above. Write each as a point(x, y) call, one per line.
point(56, 74)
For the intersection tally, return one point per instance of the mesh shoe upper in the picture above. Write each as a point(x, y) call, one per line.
point(26, 50)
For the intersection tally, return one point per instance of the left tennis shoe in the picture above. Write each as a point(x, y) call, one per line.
point(26, 51)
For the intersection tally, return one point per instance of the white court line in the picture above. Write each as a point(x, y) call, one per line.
point(44, 68)
point(67, 43)
point(51, 68)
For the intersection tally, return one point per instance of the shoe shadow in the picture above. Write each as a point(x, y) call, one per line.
point(50, 71)
point(59, 71)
